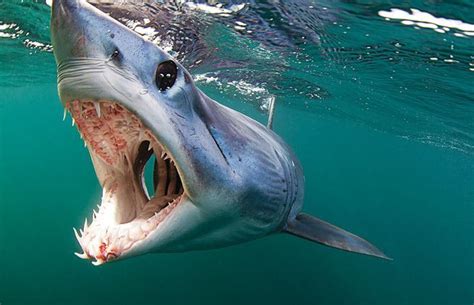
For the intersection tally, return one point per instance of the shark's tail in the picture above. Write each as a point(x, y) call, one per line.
point(314, 229)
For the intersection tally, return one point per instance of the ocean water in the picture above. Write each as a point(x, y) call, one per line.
point(376, 99)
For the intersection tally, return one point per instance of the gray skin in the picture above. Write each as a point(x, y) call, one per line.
point(241, 181)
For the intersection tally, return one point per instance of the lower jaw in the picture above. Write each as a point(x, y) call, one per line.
point(104, 243)
point(116, 139)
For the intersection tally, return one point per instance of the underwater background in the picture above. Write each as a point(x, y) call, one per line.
point(375, 98)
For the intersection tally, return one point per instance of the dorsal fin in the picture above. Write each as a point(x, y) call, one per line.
point(314, 229)
point(271, 111)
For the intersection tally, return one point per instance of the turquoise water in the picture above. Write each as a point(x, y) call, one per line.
point(380, 113)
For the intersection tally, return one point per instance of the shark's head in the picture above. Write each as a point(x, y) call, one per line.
point(130, 100)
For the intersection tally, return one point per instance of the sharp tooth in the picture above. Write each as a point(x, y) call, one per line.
point(85, 144)
point(78, 237)
point(98, 262)
point(94, 213)
point(163, 154)
point(97, 108)
point(85, 224)
point(64, 114)
point(81, 255)
point(73, 122)
point(150, 146)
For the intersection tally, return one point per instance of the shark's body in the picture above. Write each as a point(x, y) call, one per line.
point(220, 177)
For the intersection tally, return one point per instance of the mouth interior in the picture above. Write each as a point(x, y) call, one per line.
point(120, 147)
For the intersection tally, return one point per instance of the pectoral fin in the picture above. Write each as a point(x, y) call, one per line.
point(314, 229)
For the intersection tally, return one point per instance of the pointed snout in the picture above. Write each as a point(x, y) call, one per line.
point(79, 30)
point(64, 8)
point(67, 29)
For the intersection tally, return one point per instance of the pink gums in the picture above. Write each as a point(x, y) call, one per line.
point(106, 134)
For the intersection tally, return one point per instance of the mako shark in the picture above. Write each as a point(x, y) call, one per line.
point(220, 178)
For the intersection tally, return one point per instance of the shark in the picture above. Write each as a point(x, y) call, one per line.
point(220, 178)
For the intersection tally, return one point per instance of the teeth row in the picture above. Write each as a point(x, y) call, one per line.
point(164, 155)
point(73, 121)
point(142, 137)
point(118, 237)
point(96, 107)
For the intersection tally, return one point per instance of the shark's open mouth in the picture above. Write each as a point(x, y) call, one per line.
point(120, 146)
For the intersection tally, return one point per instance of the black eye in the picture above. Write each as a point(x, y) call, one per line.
point(166, 74)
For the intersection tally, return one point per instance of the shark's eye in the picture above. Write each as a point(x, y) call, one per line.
point(166, 74)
